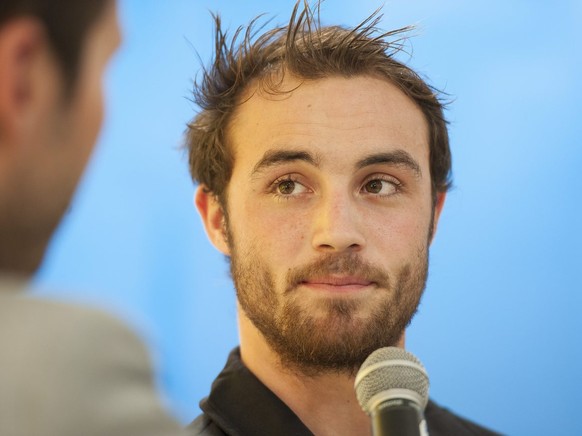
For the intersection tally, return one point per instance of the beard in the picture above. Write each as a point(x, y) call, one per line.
point(320, 335)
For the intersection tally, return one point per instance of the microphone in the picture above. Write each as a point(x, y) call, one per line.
point(392, 387)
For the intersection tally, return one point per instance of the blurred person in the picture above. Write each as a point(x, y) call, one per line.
point(323, 165)
point(64, 370)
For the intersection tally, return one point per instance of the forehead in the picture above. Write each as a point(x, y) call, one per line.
point(334, 117)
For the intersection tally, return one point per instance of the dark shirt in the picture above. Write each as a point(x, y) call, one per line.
point(240, 405)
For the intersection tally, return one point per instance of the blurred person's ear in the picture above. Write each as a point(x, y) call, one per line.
point(27, 81)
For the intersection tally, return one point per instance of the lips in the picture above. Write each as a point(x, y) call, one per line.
point(338, 283)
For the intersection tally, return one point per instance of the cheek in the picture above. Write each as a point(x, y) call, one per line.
point(92, 115)
point(274, 232)
point(400, 233)
point(87, 111)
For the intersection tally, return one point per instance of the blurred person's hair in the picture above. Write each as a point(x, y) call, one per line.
point(306, 50)
point(66, 23)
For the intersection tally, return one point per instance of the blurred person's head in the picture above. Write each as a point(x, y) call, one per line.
point(53, 55)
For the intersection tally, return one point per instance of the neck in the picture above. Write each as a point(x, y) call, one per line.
point(325, 403)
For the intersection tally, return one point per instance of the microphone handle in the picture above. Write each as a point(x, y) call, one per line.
point(397, 418)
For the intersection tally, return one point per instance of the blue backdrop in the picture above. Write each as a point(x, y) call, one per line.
point(498, 329)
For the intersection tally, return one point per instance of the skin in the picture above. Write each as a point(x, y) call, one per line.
point(338, 167)
point(46, 136)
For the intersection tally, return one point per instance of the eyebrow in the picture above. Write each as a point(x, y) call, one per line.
point(276, 157)
point(397, 157)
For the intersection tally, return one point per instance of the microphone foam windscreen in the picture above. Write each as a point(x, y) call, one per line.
point(390, 368)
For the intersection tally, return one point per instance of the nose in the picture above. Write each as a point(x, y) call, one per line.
point(337, 224)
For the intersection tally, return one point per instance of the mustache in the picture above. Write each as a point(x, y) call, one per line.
point(350, 264)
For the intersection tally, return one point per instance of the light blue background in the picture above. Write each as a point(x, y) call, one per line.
point(499, 329)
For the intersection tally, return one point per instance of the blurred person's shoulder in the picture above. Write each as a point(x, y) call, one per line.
point(66, 368)
point(45, 318)
point(61, 331)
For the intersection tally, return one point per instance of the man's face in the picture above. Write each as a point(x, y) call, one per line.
point(329, 216)
point(56, 144)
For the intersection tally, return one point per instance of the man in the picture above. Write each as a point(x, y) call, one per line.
point(64, 370)
point(323, 165)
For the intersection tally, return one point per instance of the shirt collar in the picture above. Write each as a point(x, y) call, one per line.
point(241, 405)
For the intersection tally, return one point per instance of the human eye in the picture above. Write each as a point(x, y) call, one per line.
point(287, 186)
point(381, 186)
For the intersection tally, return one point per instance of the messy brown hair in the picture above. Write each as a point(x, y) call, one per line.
point(307, 50)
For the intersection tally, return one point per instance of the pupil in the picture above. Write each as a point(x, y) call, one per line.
point(374, 186)
point(287, 187)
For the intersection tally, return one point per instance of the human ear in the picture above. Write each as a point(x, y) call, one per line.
point(213, 218)
point(22, 47)
point(438, 207)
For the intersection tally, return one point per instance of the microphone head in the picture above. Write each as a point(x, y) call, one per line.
point(391, 372)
